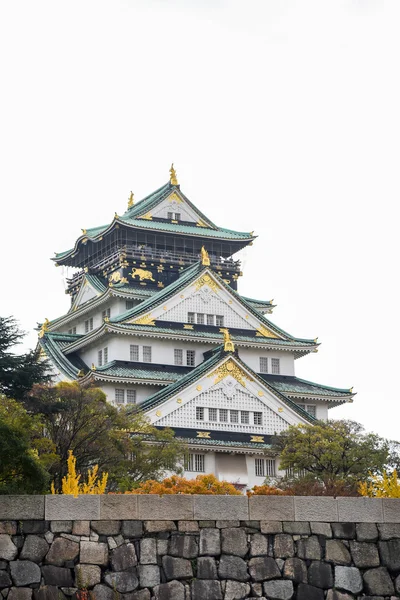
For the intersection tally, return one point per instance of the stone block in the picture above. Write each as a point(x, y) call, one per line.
point(335, 595)
point(148, 551)
point(263, 568)
point(109, 527)
point(296, 528)
point(61, 526)
point(209, 524)
point(8, 527)
point(320, 575)
point(344, 531)
point(8, 550)
point(118, 507)
point(278, 590)
point(283, 546)
point(61, 551)
point(35, 548)
point(149, 575)
point(309, 592)
point(34, 526)
point(348, 579)
point(360, 510)
point(390, 554)
point(24, 572)
point(337, 553)
point(315, 508)
point(188, 526)
point(49, 592)
point(366, 532)
point(138, 595)
point(236, 590)
point(94, 553)
point(103, 592)
point(210, 542)
point(20, 593)
point(167, 507)
point(296, 570)
point(365, 555)
point(183, 546)
point(81, 528)
point(378, 582)
point(123, 558)
point(388, 531)
point(122, 581)
point(20, 508)
point(391, 510)
point(177, 568)
point(323, 529)
point(203, 589)
point(226, 508)
point(206, 568)
point(159, 526)
point(87, 575)
point(172, 590)
point(234, 541)
point(258, 545)
point(225, 524)
point(309, 548)
point(271, 508)
point(132, 529)
point(271, 527)
point(233, 567)
point(5, 580)
point(82, 508)
point(57, 576)
point(162, 547)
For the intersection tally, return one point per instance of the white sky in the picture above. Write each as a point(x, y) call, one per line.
point(281, 116)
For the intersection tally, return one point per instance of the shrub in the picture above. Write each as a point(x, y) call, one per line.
point(387, 486)
point(203, 484)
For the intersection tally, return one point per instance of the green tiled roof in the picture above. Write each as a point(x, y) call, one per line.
point(233, 444)
point(126, 370)
point(293, 385)
point(53, 345)
point(96, 282)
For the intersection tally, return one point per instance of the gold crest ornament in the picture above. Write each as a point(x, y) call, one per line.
point(204, 434)
point(205, 259)
point(230, 368)
point(115, 277)
point(228, 344)
point(44, 328)
point(172, 175)
point(131, 201)
point(142, 274)
point(145, 320)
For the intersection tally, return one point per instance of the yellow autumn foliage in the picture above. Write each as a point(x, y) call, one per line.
point(71, 482)
point(385, 486)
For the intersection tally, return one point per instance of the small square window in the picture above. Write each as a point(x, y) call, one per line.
point(199, 413)
point(210, 319)
point(119, 396)
point(106, 313)
point(263, 364)
point(244, 417)
point(134, 353)
point(223, 415)
point(219, 320)
point(129, 304)
point(234, 414)
point(100, 358)
point(275, 366)
point(190, 358)
point(170, 215)
point(311, 409)
point(191, 317)
point(131, 396)
point(177, 216)
point(258, 418)
point(178, 357)
point(147, 354)
point(200, 318)
point(105, 355)
point(212, 414)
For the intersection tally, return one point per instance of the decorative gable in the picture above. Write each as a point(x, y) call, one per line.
point(86, 293)
point(175, 207)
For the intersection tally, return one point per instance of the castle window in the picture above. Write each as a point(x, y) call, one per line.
point(134, 353)
point(89, 325)
point(131, 396)
point(177, 216)
point(191, 316)
point(200, 318)
point(190, 358)
point(210, 319)
point(170, 215)
point(275, 366)
point(105, 355)
point(195, 463)
point(311, 409)
point(178, 357)
point(244, 417)
point(129, 304)
point(100, 358)
point(234, 416)
point(199, 413)
point(106, 313)
point(72, 330)
point(263, 364)
point(265, 467)
point(119, 396)
point(223, 415)
point(147, 354)
point(257, 418)
point(219, 320)
point(212, 414)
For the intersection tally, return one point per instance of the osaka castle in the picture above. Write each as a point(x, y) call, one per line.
point(157, 320)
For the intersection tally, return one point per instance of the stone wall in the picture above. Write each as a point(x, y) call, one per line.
point(199, 548)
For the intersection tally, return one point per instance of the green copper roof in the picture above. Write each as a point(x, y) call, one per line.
point(233, 444)
point(293, 385)
point(125, 370)
point(96, 282)
point(53, 344)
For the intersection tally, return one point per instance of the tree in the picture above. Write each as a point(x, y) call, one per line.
point(335, 454)
point(202, 484)
point(18, 372)
point(122, 442)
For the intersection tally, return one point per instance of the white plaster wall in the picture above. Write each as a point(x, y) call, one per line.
point(321, 408)
point(231, 468)
point(251, 356)
point(142, 391)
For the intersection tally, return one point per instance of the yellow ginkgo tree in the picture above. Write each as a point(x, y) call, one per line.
point(385, 486)
point(71, 482)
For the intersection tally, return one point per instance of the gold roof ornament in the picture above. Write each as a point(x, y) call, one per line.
point(228, 344)
point(131, 201)
point(172, 175)
point(81, 373)
point(93, 367)
point(44, 328)
point(115, 215)
point(205, 259)
point(84, 231)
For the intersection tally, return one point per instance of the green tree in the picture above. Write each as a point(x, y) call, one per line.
point(18, 372)
point(335, 454)
point(121, 442)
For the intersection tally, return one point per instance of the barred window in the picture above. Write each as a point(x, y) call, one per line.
point(210, 319)
point(177, 216)
point(275, 366)
point(178, 357)
point(258, 418)
point(100, 358)
point(131, 396)
point(311, 409)
point(106, 313)
point(263, 364)
point(195, 462)
point(265, 467)
point(260, 467)
point(105, 355)
point(191, 316)
point(119, 396)
point(212, 414)
point(200, 318)
point(134, 353)
point(223, 415)
point(234, 414)
point(147, 354)
point(72, 330)
point(89, 325)
point(190, 358)
point(170, 215)
point(219, 320)
point(244, 416)
point(129, 304)
point(199, 413)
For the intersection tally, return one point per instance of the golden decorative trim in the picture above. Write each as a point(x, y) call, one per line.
point(172, 176)
point(228, 344)
point(230, 368)
point(205, 259)
point(106, 319)
point(187, 326)
point(160, 284)
point(142, 274)
point(261, 394)
point(263, 331)
point(158, 413)
point(44, 328)
point(182, 295)
point(179, 401)
point(204, 435)
point(198, 388)
point(148, 216)
point(257, 438)
point(160, 268)
point(280, 410)
point(115, 215)
point(84, 231)
point(174, 197)
point(201, 223)
point(145, 320)
point(227, 281)
point(93, 367)
point(115, 277)
point(206, 280)
point(131, 201)
point(165, 307)
point(143, 264)
point(81, 373)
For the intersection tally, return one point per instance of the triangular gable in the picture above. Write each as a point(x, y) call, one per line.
point(176, 204)
point(205, 293)
point(225, 385)
point(86, 292)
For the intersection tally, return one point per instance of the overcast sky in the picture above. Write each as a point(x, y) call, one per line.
point(281, 116)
